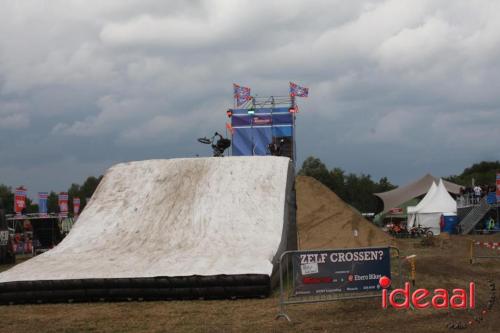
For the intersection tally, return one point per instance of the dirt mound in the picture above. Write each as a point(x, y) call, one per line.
point(325, 221)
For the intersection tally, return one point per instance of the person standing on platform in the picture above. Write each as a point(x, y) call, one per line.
point(477, 193)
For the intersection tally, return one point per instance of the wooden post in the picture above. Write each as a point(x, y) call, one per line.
point(471, 251)
point(413, 268)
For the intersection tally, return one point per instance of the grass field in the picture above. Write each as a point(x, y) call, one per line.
point(444, 266)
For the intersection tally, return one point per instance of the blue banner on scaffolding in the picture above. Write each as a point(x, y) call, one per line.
point(42, 202)
point(254, 131)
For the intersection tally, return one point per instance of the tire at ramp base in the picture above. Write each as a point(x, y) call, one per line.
point(159, 288)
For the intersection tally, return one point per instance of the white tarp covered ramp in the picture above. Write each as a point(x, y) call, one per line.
point(161, 229)
point(428, 212)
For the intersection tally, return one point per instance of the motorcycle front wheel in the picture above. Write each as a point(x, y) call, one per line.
point(205, 141)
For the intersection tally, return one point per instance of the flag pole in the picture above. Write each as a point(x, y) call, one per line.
point(273, 138)
point(294, 133)
point(251, 124)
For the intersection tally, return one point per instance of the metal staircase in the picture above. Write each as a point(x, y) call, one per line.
point(474, 216)
point(462, 212)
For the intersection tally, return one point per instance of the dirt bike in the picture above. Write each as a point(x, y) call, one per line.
point(220, 145)
point(420, 231)
point(397, 231)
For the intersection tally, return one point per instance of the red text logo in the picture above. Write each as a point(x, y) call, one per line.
point(421, 298)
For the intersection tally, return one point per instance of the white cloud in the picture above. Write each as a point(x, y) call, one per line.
point(14, 121)
point(113, 116)
point(174, 32)
point(158, 126)
point(148, 74)
point(418, 47)
point(13, 115)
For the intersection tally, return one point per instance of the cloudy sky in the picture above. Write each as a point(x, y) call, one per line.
point(397, 88)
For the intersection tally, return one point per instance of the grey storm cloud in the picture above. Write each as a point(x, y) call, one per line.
point(397, 88)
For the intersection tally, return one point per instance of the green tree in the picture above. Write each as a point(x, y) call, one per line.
point(74, 191)
point(384, 185)
point(87, 189)
point(337, 182)
point(356, 190)
point(313, 167)
point(483, 173)
point(53, 203)
point(31, 206)
point(7, 197)
point(360, 191)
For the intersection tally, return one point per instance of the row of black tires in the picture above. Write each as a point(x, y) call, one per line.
point(162, 288)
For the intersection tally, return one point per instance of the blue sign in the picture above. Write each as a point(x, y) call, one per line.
point(336, 271)
point(42, 202)
point(253, 132)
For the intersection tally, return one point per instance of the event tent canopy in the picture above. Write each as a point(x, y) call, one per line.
point(426, 199)
point(428, 212)
point(400, 195)
point(441, 202)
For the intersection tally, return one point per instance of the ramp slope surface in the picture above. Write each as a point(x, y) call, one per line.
point(325, 221)
point(175, 218)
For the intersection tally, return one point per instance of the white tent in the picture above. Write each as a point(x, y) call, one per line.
point(429, 213)
point(412, 210)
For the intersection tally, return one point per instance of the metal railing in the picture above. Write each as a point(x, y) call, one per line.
point(485, 250)
point(467, 200)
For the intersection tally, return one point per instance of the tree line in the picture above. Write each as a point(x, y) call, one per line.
point(483, 173)
point(355, 190)
point(358, 190)
point(84, 192)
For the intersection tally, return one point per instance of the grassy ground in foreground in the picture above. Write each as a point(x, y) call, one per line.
point(443, 266)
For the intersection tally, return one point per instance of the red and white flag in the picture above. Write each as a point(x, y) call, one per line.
point(241, 94)
point(20, 200)
point(76, 206)
point(298, 91)
point(63, 204)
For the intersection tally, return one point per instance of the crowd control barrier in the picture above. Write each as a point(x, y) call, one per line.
point(313, 276)
point(486, 250)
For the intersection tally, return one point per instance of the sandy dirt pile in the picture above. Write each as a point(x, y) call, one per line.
point(325, 221)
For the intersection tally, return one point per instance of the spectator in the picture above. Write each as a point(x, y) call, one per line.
point(484, 190)
point(491, 224)
point(477, 193)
